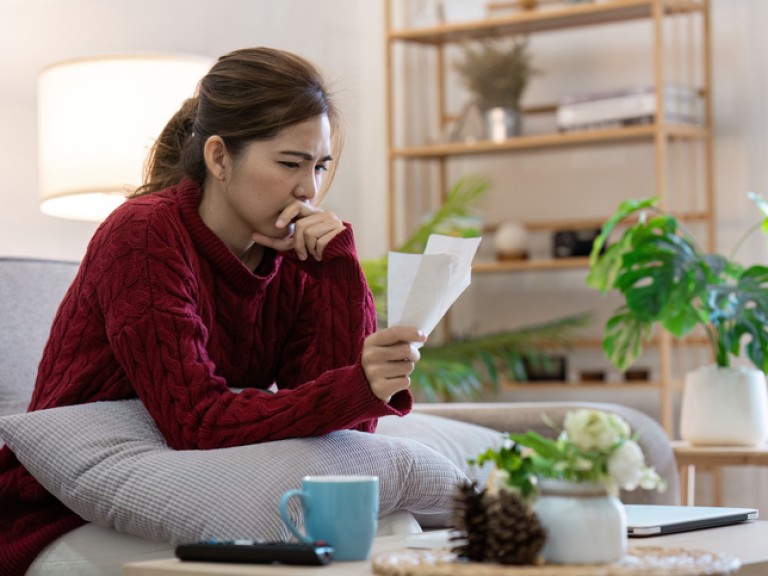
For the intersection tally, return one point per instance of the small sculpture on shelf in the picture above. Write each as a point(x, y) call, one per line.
point(510, 241)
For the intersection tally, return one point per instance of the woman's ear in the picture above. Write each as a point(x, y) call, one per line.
point(217, 158)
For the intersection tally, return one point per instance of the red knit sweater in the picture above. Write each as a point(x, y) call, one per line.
point(163, 310)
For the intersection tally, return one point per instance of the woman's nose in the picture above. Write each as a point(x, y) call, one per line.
point(308, 187)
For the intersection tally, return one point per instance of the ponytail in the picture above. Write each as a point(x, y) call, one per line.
point(171, 157)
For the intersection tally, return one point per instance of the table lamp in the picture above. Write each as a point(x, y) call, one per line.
point(97, 120)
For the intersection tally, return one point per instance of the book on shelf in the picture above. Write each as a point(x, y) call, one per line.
point(636, 105)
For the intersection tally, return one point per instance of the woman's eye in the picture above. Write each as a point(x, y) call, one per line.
point(290, 164)
point(321, 168)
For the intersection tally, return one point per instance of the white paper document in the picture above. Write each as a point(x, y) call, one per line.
point(422, 287)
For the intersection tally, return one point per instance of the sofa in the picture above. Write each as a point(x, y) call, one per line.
point(107, 462)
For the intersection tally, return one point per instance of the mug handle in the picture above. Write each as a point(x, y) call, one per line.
point(286, 517)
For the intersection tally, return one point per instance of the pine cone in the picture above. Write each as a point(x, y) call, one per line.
point(514, 533)
point(470, 522)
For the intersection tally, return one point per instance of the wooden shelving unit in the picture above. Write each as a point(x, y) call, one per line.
point(661, 135)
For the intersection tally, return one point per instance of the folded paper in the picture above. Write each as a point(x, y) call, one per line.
point(422, 287)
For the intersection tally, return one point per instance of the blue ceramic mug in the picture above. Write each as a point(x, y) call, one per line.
point(342, 511)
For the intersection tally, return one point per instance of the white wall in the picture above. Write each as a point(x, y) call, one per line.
point(344, 37)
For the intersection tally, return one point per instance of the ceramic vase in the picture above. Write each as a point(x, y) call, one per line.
point(585, 525)
point(724, 406)
point(502, 124)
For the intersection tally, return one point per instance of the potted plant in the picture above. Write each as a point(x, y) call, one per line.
point(496, 72)
point(666, 279)
point(464, 368)
point(573, 481)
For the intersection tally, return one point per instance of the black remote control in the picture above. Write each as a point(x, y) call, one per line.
point(253, 552)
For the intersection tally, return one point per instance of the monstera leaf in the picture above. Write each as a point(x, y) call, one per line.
point(666, 278)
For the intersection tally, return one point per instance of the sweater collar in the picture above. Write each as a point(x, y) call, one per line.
point(213, 249)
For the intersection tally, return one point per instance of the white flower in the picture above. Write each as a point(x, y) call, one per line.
point(626, 465)
point(651, 480)
point(498, 480)
point(595, 429)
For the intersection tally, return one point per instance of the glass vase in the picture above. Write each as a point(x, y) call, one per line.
point(585, 525)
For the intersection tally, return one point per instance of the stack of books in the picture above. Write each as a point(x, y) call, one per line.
point(624, 107)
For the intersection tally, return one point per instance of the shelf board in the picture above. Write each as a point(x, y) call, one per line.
point(530, 21)
point(586, 223)
point(556, 386)
point(521, 143)
point(525, 265)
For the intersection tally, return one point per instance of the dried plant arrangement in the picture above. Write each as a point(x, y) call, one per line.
point(496, 71)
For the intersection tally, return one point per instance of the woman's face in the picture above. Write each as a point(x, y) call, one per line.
point(266, 178)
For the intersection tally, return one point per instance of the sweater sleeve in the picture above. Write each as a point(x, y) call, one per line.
point(153, 319)
point(337, 314)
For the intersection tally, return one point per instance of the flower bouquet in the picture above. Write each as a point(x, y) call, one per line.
point(594, 446)
point(544, 491)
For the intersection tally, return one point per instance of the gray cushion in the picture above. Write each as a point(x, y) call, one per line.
point(30, 292)
point(108, 462)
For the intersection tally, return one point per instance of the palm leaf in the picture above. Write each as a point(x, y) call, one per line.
point(465, 368)
point(465, 194)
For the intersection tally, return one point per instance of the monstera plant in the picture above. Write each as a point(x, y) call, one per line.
point(666, 279)
point(465, 367)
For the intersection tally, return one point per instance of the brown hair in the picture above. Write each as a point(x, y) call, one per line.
point(249, 94)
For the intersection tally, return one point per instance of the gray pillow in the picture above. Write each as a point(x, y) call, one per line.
point(108, 462)
point(454, 439)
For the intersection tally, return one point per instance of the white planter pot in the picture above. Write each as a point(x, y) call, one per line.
point(725, 406)
point(584, 524)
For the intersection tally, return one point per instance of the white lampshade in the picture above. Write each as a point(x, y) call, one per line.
point(97, 121)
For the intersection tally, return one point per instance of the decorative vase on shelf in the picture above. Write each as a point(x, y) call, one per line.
point(584, 524)
point(724, 406)
point(502, 124)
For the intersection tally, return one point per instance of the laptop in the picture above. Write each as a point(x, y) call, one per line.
point(655, 520)
point(642, 520)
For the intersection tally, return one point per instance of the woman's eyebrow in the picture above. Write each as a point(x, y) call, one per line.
point(305, 155)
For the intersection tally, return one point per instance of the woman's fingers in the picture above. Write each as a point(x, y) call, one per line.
point(313, 233)
point(312, 230)
point(389, 357)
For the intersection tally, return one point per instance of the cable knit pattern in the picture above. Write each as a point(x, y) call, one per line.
point(157, 284)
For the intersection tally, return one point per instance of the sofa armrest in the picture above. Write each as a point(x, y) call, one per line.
point(524, 416)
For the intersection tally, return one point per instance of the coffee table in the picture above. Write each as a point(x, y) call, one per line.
point(746, 541)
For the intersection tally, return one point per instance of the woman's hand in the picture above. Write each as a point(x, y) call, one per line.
point(308, 231)
point(389, 356)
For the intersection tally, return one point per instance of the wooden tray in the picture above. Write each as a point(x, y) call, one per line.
point(639, 561)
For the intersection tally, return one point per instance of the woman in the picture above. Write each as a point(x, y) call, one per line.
point(222, 272)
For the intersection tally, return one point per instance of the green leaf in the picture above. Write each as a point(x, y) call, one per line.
point(464, 194)
point(544, 447)
point(624, 338)
point(625, 209)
